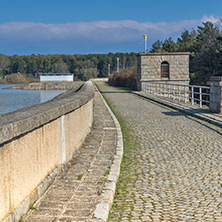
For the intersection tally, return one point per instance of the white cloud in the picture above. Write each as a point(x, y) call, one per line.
point(97, 32)
point(210, 18)
point(100, 30)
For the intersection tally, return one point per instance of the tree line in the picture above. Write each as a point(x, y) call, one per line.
point(205, 46)
point(83, 66)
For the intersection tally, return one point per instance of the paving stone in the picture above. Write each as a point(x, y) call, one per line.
point(173, 168)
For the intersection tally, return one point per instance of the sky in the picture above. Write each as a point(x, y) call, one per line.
point(97, 26)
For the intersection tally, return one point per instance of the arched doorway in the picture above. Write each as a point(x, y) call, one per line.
point(165, 70)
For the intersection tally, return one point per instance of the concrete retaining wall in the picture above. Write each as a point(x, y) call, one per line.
point(36, 143)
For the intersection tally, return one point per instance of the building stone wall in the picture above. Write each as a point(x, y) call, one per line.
point(35, 145)
point(149, 67)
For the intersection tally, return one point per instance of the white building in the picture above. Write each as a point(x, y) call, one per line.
point(45, 77)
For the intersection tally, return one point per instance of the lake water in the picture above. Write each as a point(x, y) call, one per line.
point(13, 99)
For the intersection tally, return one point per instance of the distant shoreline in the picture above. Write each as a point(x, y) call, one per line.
point(17, 79)
point(49, 85)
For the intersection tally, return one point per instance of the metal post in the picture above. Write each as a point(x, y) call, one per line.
point(200, 97)
point(161, 89)
point(192, 96)
point(169, 91)
point(164, 90)
point(179, 92)
point(185, 93)
point(174, 92)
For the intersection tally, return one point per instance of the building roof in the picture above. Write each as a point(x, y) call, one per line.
point(56, 74)
point(163, 53)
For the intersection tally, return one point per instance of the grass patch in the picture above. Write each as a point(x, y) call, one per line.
point(127, 168)
point(107, 172)
point(79, 177)
point(32, 207)
point(124, 196)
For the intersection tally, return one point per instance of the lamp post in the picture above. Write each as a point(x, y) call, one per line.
point(117, 65)
point(108, 69)
point(145, 41)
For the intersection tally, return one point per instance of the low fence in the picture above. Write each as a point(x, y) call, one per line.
point(36, 143)
point(185, 93)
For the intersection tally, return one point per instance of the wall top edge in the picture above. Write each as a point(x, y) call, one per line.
point(27, 119)
point(164, 79)
point(163, 54)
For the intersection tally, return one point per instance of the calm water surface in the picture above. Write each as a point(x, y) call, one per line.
point(13, 99)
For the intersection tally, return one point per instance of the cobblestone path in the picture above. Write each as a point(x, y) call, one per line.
point(74, 194)
point(172, 169)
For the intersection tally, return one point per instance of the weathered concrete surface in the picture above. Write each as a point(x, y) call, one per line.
point(173, 173)
point(36, 143)
point(77, 194)
point(24, 120)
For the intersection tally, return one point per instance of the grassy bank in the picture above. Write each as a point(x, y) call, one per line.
point(16, 78)
point(128, 165)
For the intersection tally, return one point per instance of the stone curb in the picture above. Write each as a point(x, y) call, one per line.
point(101, 212)
point(181, 108)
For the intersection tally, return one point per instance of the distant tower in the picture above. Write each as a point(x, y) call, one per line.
point(117, 65)
point(108, 69)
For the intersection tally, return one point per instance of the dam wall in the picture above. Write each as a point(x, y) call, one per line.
point(36, 143)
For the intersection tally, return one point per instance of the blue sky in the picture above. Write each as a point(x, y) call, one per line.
point(96, 26)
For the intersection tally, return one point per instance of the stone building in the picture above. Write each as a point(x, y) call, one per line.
point(163, 67)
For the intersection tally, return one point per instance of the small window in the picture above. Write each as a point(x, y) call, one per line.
point(165, 70)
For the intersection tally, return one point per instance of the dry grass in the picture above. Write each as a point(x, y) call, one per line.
point(15, 78)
